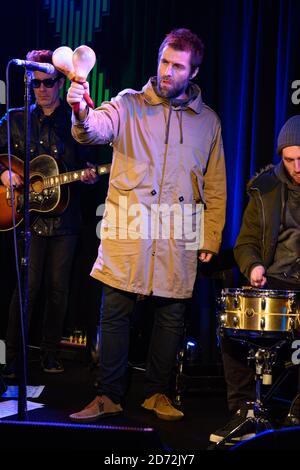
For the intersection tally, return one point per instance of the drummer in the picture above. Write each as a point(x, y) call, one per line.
point(267, 251)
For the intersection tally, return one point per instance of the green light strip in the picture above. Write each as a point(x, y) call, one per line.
point(91, 17)
point(83, 22)
point(58, 16)
point(100, 88)
point(97, 14)
point(65, 88)
point(105, 7)
point(78, 21)
point(71, 25)
point(106, 95)
point(65, 18)
point(77, 25)
point(68, 84)
point(52, 12)
point(94, 84)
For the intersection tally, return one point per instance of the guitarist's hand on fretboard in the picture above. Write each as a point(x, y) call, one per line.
point(90, 175)
point(47, 186)
point(17, 180)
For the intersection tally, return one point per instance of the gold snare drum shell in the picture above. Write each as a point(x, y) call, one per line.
point(260, 311)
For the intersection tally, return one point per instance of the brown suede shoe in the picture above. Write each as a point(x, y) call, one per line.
point(99, 408)
point(162, 407)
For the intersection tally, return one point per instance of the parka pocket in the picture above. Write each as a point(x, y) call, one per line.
point(131, 178)
point(197, 185)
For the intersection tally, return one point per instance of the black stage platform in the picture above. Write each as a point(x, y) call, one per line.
point(136, 430)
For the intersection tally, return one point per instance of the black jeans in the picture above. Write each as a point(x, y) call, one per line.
point(50, 258)
point(239, 376)
point(116, 309)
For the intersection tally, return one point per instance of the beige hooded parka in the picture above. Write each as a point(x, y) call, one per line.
point(168, 165)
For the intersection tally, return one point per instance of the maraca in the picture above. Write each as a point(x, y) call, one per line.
point(76, 66)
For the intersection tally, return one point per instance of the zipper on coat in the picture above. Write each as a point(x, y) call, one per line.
point(168, 122)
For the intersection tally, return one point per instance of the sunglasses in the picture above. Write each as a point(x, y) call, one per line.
point(47, 82)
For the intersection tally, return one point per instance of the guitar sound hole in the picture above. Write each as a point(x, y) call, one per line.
point(37, 185)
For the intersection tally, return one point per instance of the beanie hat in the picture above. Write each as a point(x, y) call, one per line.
point(289, 134)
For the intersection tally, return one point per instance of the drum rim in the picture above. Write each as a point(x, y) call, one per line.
point(241, 333)
point(253, 292)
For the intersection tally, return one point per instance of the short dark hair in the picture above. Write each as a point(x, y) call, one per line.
point(44, 56)
point(183, 39)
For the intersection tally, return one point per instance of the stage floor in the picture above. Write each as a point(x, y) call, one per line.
point(65, 393)
point(203, 404)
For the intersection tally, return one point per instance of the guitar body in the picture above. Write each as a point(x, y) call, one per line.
point(54, 199)
point(6, 210)
point(42, 199)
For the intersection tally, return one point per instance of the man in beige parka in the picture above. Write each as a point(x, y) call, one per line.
point(165, 207)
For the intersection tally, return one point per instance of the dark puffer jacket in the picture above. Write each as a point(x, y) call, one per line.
point(50, 135)
point(257, 240)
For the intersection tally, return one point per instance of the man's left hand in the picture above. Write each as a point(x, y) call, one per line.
point(205, 257)
point(90, 175)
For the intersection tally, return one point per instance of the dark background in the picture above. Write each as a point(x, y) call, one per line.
point(251, 61)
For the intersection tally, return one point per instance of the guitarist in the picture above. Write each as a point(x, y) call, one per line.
point(53, 238)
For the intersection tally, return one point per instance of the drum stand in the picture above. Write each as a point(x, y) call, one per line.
point(265, 358)
point(179, 378)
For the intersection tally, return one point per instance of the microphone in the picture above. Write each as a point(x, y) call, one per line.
point(40, 66)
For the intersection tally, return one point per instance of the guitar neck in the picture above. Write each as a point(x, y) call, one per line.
point(72, 176)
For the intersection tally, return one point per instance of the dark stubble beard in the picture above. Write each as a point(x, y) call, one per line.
point(172, 92)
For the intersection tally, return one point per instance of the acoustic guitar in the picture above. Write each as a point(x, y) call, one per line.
point(47, 192)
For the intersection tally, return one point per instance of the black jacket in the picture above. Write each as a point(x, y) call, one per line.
point(257, 240)
point(50, 135)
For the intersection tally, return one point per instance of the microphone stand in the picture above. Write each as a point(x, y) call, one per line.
point(26, 234)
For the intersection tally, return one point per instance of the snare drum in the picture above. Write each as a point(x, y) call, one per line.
point(258, 312)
